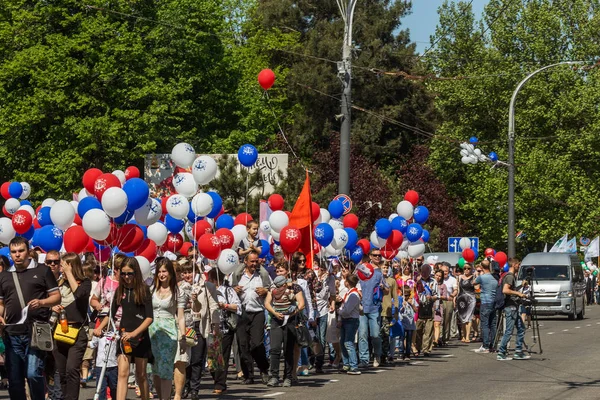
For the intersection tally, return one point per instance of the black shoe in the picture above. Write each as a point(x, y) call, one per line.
point(193, 395)
point(248, 381)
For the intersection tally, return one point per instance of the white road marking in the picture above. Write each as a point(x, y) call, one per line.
point(415, 363)
point(379, 370)
point(332, 381)
point(274, 394)
point(550, 333)
point(577, 327)
point(565, 330)
point(597, 323)
point(450, 355)
point(589, 325)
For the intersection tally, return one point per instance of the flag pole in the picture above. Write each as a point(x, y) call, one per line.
point(312, 248)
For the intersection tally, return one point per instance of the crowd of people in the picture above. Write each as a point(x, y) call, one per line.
point(160, 335)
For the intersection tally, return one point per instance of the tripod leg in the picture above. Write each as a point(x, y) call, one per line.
point(498, 329)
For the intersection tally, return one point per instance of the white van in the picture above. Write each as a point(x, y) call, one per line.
point(558, 283)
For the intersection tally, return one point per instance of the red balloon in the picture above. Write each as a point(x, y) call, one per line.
point(201, 228)
point(90, 246)
point(242, 219)
point(4, 190)
point(77, 220)
point(365, 245)
point(22, 221)
point(36, 224)
point(350, 221)
point(129, 238)
point(412, 196)
point(365, 271)
point(489, 252)
point(209, 246)
point(104, 182)
point(501, 258)
point(147, 249)
point(388, 254)
point(174, 242)
point(290, 239)
point(275, 202)
point(266, 78)
point(315, 211)
point(226, 238)
point(289, 214)
point(132, 172)
point(185, 248)
point(89, 179)
point(76, 240)
point(394, 241)
point(316, 248)
point(468, 255)
point(112, 236)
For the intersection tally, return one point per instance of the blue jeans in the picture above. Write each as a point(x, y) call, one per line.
point(24, 362)
point(321, 332)
point(488, 316)
point(369, 324)
point(512, 318)
point(407, 347)
point(347, 334)
point(110, 379)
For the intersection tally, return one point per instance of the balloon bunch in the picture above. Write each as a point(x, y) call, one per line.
point(470, 254)
point(472, 155)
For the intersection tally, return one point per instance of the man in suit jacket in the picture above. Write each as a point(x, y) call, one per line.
point(590, 284)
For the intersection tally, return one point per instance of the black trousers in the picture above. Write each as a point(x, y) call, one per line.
point(282, 337)
point(194, 369)
point(250, 335)
point(220, 377)
point(68, 359)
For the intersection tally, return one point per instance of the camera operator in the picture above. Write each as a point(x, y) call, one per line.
point(511, 314)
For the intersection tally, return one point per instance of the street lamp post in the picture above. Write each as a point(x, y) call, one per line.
point(345, 74)
point(511, 155)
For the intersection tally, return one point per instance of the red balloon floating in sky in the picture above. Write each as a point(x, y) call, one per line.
point(266, 78)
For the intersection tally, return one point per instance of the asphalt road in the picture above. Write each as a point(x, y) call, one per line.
point(567, 369)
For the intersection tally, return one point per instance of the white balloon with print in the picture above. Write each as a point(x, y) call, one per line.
point(416, 249)
point(185, 184)
point(228, 261)
point(7, 232)
point(278, 220)
point(340, 238)
point(114, 202)
point(178, 206)
point(26, 190)
point(405, 209)
point(202, 204)
point(96, 224)
point(144, 266)
point(183, 155)
point(149, 213)
point(336, 223)
point(62, 214)
point(12, 205)
point(265, 227)
point(204, 170)
point(157, 232)
point(29, 209)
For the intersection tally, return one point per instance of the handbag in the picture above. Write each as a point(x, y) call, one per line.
point(69, 337)
point(41, 332)
point(191, 337)
point(214, 352)
point(301, 332)
point(232, 318)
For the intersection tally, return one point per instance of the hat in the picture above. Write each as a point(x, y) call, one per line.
point(279, 281)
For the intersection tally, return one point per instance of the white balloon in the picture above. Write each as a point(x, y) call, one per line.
point(96, 223)
point(402, 255)
point(144, 265)
point(189, 230)
point(324, 216)
point(7, 232)
point(202, 204)
point(275, 235)
point(376, 240)
point(26, 190)
point(416, 249)
point(464, 153)
point(239, 233)
point(466, 160)
point(75, 204)
point(265, 227)
point(178, 206)
point(114, 202)
point(210, 221)
point(473, 159)
point(470, 148)
point(405, 209)
point(228, 261)
point(12, 205)
point(404, 244)
point(392, 216)
point(278, 220)
point(185, 184)
point(336, 223)
point(29, 209)
point(464, 243)
point(158, 232)
point(332, 251)
point(204, 170)
point(340, 238)
point(121, 175)
point(183, 155)
point(48, 202)
point(82, 194)
point(149, 213)
point(477, 152)
point(62, 214)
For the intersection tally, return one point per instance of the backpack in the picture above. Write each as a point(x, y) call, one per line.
point(499, 299)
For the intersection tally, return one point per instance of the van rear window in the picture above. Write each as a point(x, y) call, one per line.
point(546, 272)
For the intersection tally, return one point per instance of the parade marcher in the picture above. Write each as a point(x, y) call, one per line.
point(438, 312)
point(387, 348)
point(428, 296)
point(348, 323)
point(466, 301)
point(448, 305)
point(488, 286)
point(182, 359)
point(407, 315)
point(325, 293)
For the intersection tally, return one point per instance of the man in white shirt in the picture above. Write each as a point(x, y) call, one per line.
point(452, 286)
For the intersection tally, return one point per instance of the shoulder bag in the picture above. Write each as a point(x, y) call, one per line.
point(232, 318)
point(41, 332)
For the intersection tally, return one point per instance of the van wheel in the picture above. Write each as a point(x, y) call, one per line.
point(571, 316)
point(582, 313)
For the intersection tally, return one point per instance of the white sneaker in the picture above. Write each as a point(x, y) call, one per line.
point(482, 350)
point(376, 362)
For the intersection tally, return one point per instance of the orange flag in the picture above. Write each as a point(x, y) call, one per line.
point(302, 219)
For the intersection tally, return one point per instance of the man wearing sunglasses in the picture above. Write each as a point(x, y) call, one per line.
point(53, 262)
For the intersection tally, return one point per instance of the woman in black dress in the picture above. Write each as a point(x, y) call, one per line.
point(466, 301)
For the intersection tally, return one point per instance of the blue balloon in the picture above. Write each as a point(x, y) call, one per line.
point(400, 224)
point(217, 204)
point(473, 140)
point(29, 234)
point(193, 218)
point(336, 208)
point(115, 250)
point(505, 268)
point(50, 238)
point(247, 154)
point(493, 156)
point(174, 225)
point(86, 204)
point(26, 203)
point(123, 218)
point(357, 254)
point(264, 248)
point(414, 232)
point(425, 236)
point(352, 238)
point(224, 221)
point(43, 216)
point(421, 214)
point(15, 189)
point(384, 228)
point(137, 193)
point(5, 251)
point(323, 234)
point(34, 239)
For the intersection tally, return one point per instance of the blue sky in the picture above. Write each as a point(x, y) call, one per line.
point(424, 18)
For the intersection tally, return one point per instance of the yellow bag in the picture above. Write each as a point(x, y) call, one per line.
point(69, 337)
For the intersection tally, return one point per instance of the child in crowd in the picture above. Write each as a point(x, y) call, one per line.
point(349, 313)
point(107, 353)
point(250, 242)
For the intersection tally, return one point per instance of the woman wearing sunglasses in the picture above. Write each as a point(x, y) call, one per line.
point(466, 302)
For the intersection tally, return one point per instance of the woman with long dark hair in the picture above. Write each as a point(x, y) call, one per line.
point(75, 290)
point(134, 298)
